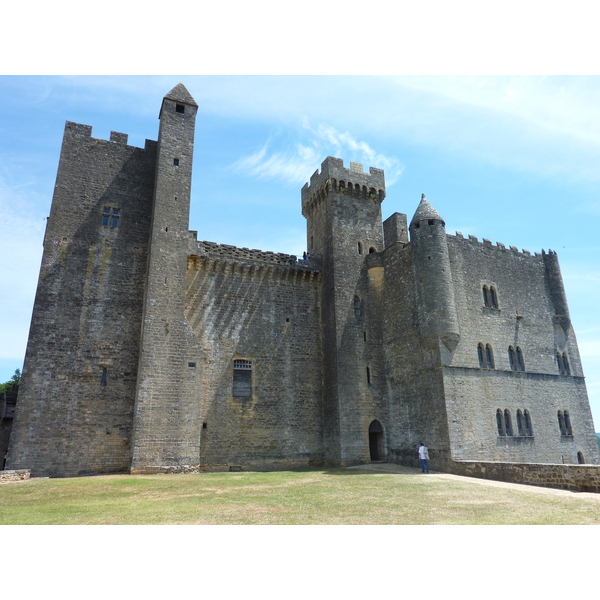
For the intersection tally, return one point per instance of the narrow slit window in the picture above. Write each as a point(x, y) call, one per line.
point(561, 423)
point(368, 376)
point(357, 307)
point(568, 430)
point(520, 424)
point(242, 379)
point(520, 362)
point(493, 298)
point(528, 428)
point(511, 358)
point(104, 378)
point(489, 357)
point(480, 356)
point(499, 422)
point(565, 361)
point(486, 296)
point(507, 423)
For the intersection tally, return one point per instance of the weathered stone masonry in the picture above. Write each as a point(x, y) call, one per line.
point(151, 351)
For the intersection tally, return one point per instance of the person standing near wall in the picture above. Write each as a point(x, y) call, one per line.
point(424, 457)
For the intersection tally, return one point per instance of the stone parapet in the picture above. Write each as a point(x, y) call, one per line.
point(577, 478)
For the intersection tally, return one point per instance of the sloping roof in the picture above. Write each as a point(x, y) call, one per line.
point(180, 94)
point(425, 211)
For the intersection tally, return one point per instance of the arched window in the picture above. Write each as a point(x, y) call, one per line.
point(371, 250)
point(512, 358)
point(480, 356)
point(489, 357)
point(520, 424)
point(580, 458)
point(559, 361)
point(499, 422)
point(565, 361)
point(507, 423)
point(561, 423)
point(520, 362)
point(357, 308)
point(568, 430)
point(486, 296)
point(528, 428)
point(493, 298)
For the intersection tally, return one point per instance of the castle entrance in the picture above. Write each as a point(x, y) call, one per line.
point(376, 441)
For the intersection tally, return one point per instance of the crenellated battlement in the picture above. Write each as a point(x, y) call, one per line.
point(471, 239)
point(335, 177)
point(85, 131)
point(222, 258)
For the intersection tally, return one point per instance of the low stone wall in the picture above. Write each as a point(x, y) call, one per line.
point(577, 478)
point(18, 475)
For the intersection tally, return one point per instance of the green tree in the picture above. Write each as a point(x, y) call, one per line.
point(14, 380)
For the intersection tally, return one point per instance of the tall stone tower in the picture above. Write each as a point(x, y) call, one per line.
point(74, 414)
point(343, 211)
point(167, 407)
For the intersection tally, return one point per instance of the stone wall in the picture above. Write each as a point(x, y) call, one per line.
point(269, 315)
point(14, 475)
point(577, 478)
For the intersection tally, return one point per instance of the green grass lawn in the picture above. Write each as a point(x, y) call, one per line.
point(308, 497)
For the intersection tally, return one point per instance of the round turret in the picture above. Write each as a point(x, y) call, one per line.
point(435, 291)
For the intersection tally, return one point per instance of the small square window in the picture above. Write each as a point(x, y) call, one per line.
point(180, 108)
point(176, 162)
point(110, 216)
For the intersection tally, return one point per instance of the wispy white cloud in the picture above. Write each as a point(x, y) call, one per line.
point(294, 162)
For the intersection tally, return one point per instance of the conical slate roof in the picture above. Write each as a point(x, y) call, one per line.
point(180, 94)
point(425, 211)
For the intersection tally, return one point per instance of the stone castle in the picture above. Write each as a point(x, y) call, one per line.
point(151, 351)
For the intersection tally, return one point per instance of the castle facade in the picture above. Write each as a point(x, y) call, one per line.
point(151, 351)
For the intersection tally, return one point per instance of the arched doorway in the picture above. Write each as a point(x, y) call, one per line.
point(376, 448)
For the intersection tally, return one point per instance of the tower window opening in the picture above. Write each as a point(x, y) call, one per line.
point(493, 298)
point(568, 430)
point(527, 419)
point(520, 423)
point(368, 376)
point(359, 248)
point(175, 162)
point(430, 222)
point(580, 459)
point(371, 250)
point(511, 358)
point(489, 357)
point(357, 307)
point(242, 379)
point(480, 356)
point(180, 108)
point(104, 378)
point(110, 216)
point(565, 361)
point(507, 423)
point(499, 422)
point(486, 297)
point(520, 362)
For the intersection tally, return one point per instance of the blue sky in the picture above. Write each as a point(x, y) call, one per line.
point(510, 158)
